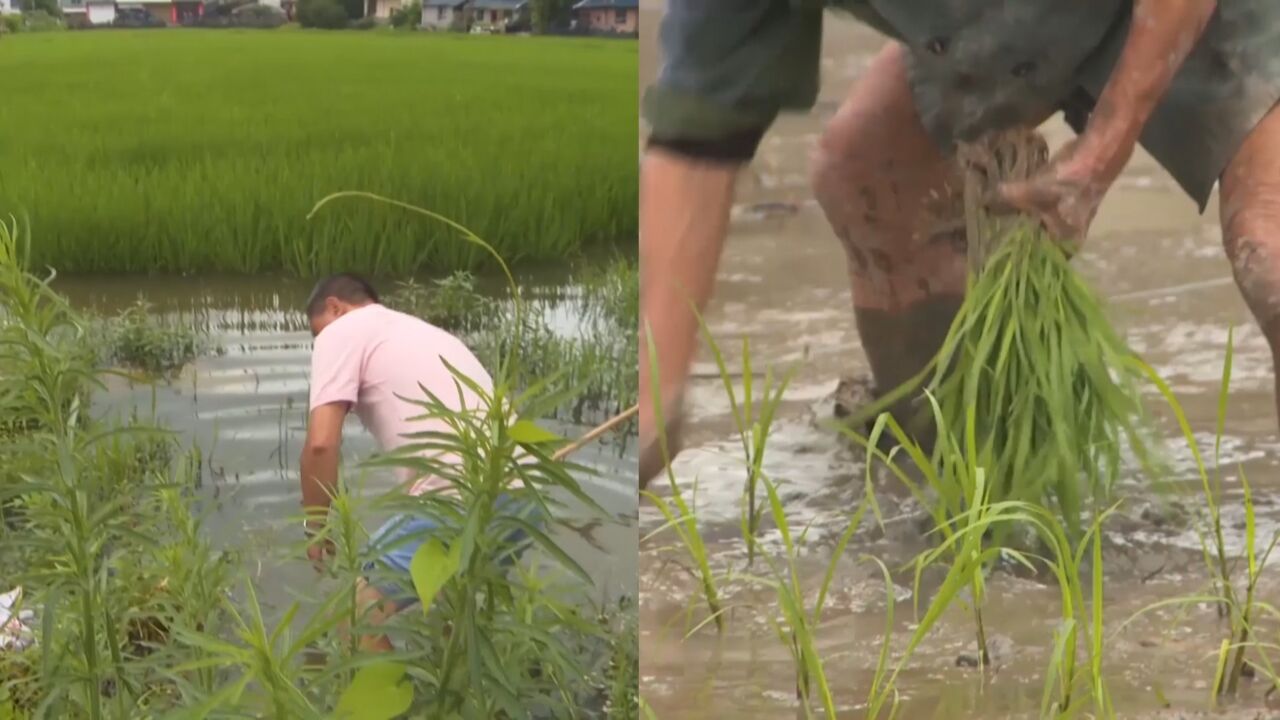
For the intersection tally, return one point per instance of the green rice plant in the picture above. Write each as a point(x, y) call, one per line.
point(623, 671)
point(1034, 363)
point(612, 292)
point(453, 303)
point(1031, 359)
point(963, 548)
point(225, 164)
point(594, 359)
point(136, 340)
point(802, 623)
point(753, 425)
point(1241, 606)
point(679, 515)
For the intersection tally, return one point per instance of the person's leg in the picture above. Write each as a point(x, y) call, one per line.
point(395, 544)
point(878, 176)
point(1250, 210)
point(374, 611)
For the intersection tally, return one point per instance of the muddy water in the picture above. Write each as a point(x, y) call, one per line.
point(783, 285)
point(245, 402)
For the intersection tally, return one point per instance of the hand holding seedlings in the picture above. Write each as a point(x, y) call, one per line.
point(1066, 195)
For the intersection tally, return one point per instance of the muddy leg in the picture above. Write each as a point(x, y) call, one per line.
point(878, 176)
point(1250, 209)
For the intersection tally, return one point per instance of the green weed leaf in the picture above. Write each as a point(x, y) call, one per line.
point(526, 432)
point(431, 568)
point(378, 692)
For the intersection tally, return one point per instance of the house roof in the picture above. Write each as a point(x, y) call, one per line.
point(444, 3)
point(498, 4)
point(608, 4)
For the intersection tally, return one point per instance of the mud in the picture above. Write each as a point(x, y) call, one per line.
point(783, 283)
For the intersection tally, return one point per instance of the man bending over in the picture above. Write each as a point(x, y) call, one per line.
point(369, 358)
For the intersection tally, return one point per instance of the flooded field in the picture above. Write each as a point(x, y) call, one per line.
point(243, 402)
point(783, 284)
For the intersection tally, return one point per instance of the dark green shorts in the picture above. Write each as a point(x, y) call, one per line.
point(976, 66)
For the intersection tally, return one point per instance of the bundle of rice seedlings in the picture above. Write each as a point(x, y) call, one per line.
point(1051, 384)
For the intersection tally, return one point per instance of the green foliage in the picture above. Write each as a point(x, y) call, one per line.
point(354, 9)
point(595, 359)
point(257, 16)
point(136, 340)
point(548, 14)
point(322, 14)
point(135, 614)
point(378, 692)
point(408, 17)
point(49, 7)
point(42, 21)
point(437, 123)
point(431, 568)
point(11, 23)
point(86, 515)
point(454, 303)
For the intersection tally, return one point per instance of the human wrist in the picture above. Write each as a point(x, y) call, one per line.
point(314, 521)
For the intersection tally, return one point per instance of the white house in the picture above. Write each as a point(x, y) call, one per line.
point(498, 14)
point(8, 7)
point(88, 12)
point(444, 14)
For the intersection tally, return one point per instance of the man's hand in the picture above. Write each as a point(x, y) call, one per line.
point(684, 218)
point(319, 550)
point(1064, 196)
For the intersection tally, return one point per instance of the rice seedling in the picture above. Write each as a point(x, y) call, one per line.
point(1236, 599)
point(679, 515)
point(1032, 360)
point(801, 623)
point(752, 428)
point(225, 163)
point(623, 671)
point(136, 340)
point(453, 303)
point(964, 550)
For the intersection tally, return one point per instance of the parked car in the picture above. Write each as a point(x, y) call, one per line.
point(135, 17)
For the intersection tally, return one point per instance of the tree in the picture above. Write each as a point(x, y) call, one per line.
point(353, 8)
point(548, 14)
point(325, 14)
point(49, 6)
point(409, 16)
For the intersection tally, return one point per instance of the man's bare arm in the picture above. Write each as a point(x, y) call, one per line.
point(1161, 37)
point(320, 460)
point(1066, 196)
point(684, 218)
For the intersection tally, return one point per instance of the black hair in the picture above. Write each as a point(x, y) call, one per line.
point(347, 287)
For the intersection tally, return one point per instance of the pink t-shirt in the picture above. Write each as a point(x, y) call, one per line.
point(373, 356)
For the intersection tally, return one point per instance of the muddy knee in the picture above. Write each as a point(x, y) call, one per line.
point(1255, 263)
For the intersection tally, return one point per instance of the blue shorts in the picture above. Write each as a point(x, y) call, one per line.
point(400, 537)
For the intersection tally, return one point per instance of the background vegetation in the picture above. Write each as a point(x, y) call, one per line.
point(204, 150)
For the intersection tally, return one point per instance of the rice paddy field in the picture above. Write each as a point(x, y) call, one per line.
point(199, 151)
point(153, 394)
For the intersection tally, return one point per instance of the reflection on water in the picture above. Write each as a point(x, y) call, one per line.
point(783, 284)
point(245, 407)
